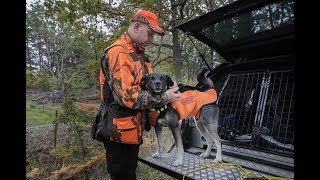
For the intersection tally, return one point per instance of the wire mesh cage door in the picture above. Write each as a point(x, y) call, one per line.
point(256, 109)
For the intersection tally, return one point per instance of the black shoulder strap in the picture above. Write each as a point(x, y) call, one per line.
point(144, 58)
point(103, 58)
point(133, 55)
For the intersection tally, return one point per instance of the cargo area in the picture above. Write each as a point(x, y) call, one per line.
point(256, 94)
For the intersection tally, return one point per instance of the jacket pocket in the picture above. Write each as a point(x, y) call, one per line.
point(127, 130)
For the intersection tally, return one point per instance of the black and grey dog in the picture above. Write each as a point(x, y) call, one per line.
point(206, 121)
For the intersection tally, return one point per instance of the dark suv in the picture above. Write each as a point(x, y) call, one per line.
point(256, 88)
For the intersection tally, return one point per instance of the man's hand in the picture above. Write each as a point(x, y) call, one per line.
point(173, 93)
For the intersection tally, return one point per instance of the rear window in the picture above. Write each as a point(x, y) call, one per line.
point(265, 18)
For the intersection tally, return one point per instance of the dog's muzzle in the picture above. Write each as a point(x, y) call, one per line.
point(157, 86)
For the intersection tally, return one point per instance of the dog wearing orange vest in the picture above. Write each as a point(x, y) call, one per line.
point(193, 102)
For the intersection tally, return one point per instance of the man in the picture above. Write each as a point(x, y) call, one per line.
point(122, 68)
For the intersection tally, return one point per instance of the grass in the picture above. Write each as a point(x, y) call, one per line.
point(37, 115)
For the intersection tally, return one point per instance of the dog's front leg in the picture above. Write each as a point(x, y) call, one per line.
point(176, 132)
point(159, 133)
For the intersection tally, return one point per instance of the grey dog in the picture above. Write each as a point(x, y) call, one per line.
point(206, 123)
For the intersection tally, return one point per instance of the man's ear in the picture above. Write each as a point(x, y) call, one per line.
point(143, 82)
point(169, 81)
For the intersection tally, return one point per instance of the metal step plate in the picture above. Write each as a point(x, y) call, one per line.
point(194, 167)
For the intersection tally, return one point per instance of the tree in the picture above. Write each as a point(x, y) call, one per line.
point(56, 47)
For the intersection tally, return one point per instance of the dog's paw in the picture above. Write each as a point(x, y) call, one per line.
point(156, 155)
point(217, 160)
point(178, 163)
point(204, 155)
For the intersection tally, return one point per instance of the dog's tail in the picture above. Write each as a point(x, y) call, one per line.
point(204, 80)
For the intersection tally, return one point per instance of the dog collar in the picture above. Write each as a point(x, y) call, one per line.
point(160, 109)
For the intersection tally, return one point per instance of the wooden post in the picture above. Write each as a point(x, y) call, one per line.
point(43, 105)
point(55, 128)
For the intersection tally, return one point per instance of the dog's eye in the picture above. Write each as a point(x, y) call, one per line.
point(152, 77)
point(162, 78)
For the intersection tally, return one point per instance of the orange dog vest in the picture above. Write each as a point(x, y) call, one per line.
point(189, 104)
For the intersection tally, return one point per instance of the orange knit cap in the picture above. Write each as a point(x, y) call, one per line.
point(149, 18)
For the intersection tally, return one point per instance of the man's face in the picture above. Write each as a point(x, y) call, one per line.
point(145, 35)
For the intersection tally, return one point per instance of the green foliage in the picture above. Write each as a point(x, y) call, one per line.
point(164, 66)
point(72, 115)
point(37, 115)
point(44, 81)
point(92, 68)
point(32, 106)
point(85, 76)
point(79, 35)
point(76, 118)
point(30, 79)
point(41, 161)
point(64, 154)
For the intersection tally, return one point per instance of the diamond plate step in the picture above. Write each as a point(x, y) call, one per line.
point(193, 162)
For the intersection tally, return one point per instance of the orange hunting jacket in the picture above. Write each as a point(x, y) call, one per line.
point(122, 66)
point(123, 72)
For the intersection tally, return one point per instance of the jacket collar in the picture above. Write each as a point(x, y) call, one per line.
point(134, 45)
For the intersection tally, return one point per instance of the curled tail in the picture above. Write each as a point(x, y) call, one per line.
point(204, 79)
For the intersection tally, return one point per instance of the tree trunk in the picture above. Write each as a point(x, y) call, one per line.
point(176, 51)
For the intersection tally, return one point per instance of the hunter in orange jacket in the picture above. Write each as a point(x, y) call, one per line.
point(124, 75)
point(123, 102)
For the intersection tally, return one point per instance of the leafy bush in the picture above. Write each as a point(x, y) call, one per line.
point(63, 154)
point(86, 76)
point(30, 79)
point(44, 81)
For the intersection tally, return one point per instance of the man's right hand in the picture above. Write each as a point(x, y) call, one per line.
point(173, 93)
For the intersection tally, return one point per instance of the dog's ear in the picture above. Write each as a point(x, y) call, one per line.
point(143, 82)
point(169, 81)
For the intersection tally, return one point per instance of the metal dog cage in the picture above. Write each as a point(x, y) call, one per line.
point(256, 120)
point(256, 110)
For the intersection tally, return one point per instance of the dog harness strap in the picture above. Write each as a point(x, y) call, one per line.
point(159, 110)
